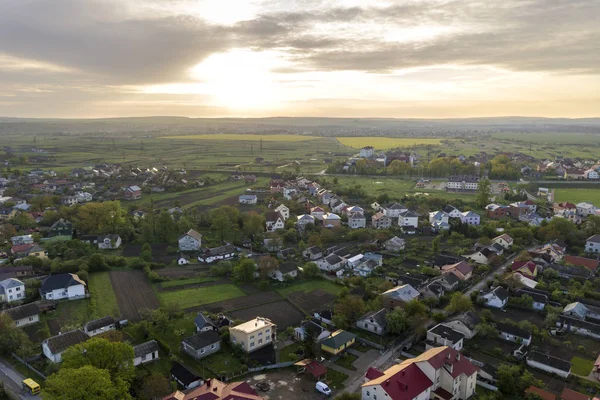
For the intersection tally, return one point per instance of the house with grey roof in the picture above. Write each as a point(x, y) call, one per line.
point(12, 290)
point(399, 296)
point(190, 241)
point(444, 335)
point(100, 325)
point(145, 352)
point(202, 344)
point(374, 321)
point(203, 324)
point(54, 347)
point(24, 315)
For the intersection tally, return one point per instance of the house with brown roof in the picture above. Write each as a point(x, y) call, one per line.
point(461, 269)
point(569, 394)
point(544, 395)
point(214, 389)
point(589, 263)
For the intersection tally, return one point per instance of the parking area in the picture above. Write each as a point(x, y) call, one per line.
point(285, 384)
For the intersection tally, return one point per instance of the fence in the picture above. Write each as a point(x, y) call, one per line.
point(372, 344)
point(31, 368)
point(487, 386)
point(274, 366)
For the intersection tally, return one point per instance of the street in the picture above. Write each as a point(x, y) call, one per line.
point(12, 382)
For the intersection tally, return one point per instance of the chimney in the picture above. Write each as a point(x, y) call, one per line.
point(208, 383)
point(458, 356)
point(403, 386)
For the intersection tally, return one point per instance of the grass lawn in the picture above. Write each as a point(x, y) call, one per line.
point(308, 286)
point(288, 352)
point(72, 313)
point(223, 362)
point(335, 379)
point(103, 299)
point(190, 281)
point(194, 297)
point(363, 348)
point(577, 195)
point(346, 361)
point(581, 366)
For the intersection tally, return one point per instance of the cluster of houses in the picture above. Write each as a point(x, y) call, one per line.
point(527, 211)
point(571, 170)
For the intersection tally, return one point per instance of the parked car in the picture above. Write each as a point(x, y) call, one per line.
point(323, 388)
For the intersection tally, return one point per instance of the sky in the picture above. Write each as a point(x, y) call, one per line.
point(324, 58)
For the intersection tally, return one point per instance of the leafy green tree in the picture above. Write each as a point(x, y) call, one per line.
point(435, 245)
point(97, 263)
point(11, 337)
point(266, 265)
point(415, 308)
point(116, 358)
point(459, 303)
point(155, 386)
point(244, 271)
point(349, 310)
point(483, 193)
point(514, 379)
point(310, 270)
point(348, 396)
point(85, 383)
point(485, 329)
point(397, 321)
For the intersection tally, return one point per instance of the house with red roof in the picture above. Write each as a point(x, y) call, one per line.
point(569, 394)
point(589, 263)
point(438, 373)
point(528, 269)
point(544, 395)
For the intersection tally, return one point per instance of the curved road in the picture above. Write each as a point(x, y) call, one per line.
point(12, 382)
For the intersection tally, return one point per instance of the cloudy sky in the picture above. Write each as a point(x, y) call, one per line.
point(359, 58)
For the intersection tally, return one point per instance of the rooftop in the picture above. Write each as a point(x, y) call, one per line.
point(253, 325)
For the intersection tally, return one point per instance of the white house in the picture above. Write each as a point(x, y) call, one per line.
point(332, 262)
point(145, 352)
point(444, 335)
point(190, 241)
point(23, 239)
point(24, 315)
point(585, 209)
point(496, 298)
point(592, 244)
point(109, 242)
point(284, 211)
point(513, 333)
point(220, 253)
point(408, 219)
point(99, 326)
point(248, 199)
point(11, 290)
point(374, 322)
point(305, 219)
point(357, 220)
point(470, 218)
point(452, 212)
point(286, 269)
point(55, 346)
point(62, 286)
point(463, 182)
point(274, 221)
point(317, 212)
point(394, 210)
point(439, 216)
point(592, 174)
point(504, 240)
point(366, 152)
point(548, 363)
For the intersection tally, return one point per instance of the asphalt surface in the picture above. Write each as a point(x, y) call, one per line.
point(12, 382)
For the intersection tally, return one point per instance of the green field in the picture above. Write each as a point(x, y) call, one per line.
point(195, 297)
point(581, 366)
point(103, 299)
point(578, 195)
point(190, 281)
point(232, 137)
point(550, 138)
point(310, 286)
point(384, 143)
point(72, 314)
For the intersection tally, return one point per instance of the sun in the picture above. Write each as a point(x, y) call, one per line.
point(239, 79)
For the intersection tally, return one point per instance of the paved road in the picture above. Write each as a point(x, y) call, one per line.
point(12, 382)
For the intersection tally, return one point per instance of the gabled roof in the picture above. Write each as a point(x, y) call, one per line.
point(194, 234)
point(402, 382)
point(506, 237)
point(402, 293)
point(202, 339)
point(595, 239)
point(24, 311)
point(288, 267)
point(60, 281)
point(582, 262)
point(542, 393)
point(182, 374)
point(513, 330)
point(394, 206)
point(58, 344)
point(569, 394)
point(9, 284)
point(201, 321)
point(338, 338)
point(440, 357)
point(145, 348)
point(549, 360)
point(99, 323)
point(273, 216)
point(447, 332)
point(378, 316)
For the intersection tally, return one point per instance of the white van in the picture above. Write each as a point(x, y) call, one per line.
point(323, 388)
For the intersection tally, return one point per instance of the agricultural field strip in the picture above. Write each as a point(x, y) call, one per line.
point(384, 143)
point(103, 299)
point(243, 302)
point(247, 137)
point(133, 292)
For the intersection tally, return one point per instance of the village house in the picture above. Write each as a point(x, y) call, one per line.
point(132, 193)
point(109, 242)
point(539, 297)
point(577, 261)
point(504, 240)
point(313, 253)
point(274, 221)
point(62, 286)
point(12, 290)
point(585, 209)
point(496, 211)
point(338, 342)
point(443, 335)
point(466, 324)
point(434, 290)
point(331, 263)
point(592, 244)
point(461, 269)
point(202, 344)
point(185, 378)
point(440, 372)
point(54, 347)
point(470, 218)
point(286, 269)
point(513, 333)
point(99, 326)
point(311, 329)
point(381, 221)
point(582, 311)
point(190, 241)
point(253, 334)
point(548, 363)
point(394, 244)
point(331, 220)
point(305, 219)
point(145, 352)
point(284, 211)
point(408, 220)
point(393, 210)
point(247, 199)
point(399, 296)
point(356, 220)
point(374, 321)
point(214, 389)
point(24, 315)
point(203, 324)
point(452, 212)
point(528, 269)
point(20, 240)
point(467, 183)
point(61, 228)
point(221, 253)
point(496, 298)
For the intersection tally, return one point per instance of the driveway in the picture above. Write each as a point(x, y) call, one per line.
point(12, 382)
point(285, 384)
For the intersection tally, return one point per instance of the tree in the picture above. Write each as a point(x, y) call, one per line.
point(155, 386)
point(310, 270)
point(266, 265)
point(349, 310)
point(397, 321)
point(116, 358)
point(459, 303)
point(514, 379)
point(483, 193)
point(244, 271)
point(253, 223)
point(97, 263)
point(415, 308)
point(485, 329)
point(85, 383)
point(11, 337)
point(348, 396)
point(435, 245)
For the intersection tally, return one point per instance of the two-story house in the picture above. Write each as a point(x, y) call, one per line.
point(393, 210)
point(274, 221)
point(444, 335)
point(284, 211)
point(253, 334)
point(190, 241)
point(11, 290)
point(408, 220)
point(357, 220)
point(381, 221)
point(470, 218)
point(592, 244)
point(61, 228)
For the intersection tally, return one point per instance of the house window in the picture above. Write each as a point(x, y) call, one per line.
point(268, 330)
point(143, 357)
point(368, 394)
point(259, 341)
point(201, 351)
point(252, 337)
point(267, 339)
point(212, 346)
point(259, 334)
point(233, 339)
point(30, 318)
point(251, 344)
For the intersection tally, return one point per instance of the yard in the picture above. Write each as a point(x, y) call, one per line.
point(288, 353)
point(103, 300)
point(346, 361)
point(581, 366)
point(72, 314)
point(577, 195)
point(183, 282)
point(307, 286)
point(195, 297)
point(335, 379)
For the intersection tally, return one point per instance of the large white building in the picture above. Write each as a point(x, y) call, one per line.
point(463, 182)
point(440, 373)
